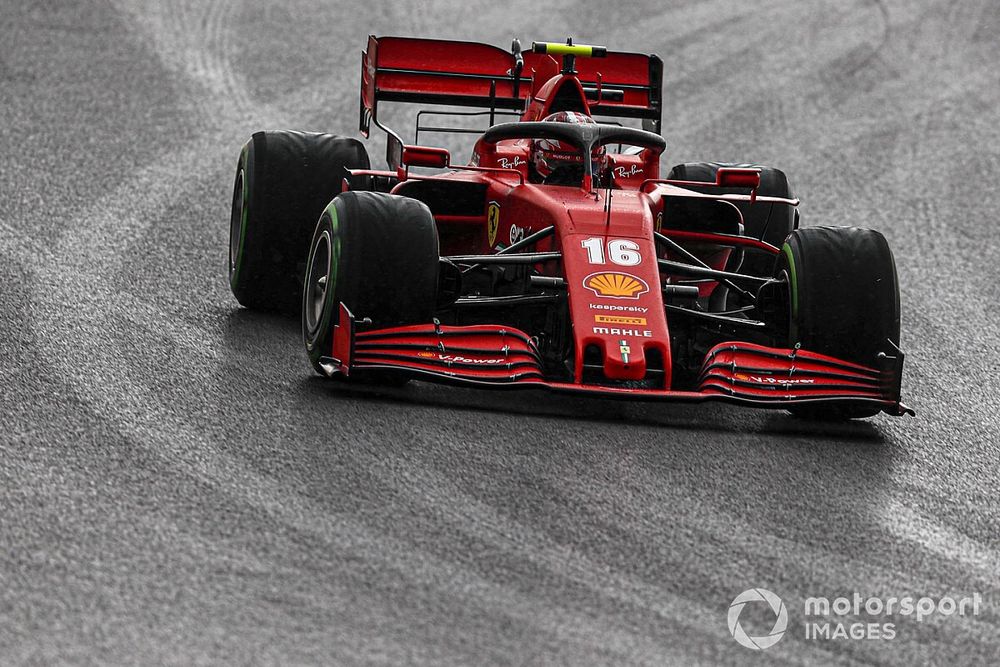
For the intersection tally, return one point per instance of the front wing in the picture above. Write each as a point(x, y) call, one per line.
point(504, 357)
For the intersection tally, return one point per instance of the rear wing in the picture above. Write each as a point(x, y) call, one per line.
point(455, 73)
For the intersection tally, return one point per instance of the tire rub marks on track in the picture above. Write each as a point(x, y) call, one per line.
point(434, 525)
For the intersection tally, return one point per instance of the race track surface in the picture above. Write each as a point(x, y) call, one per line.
point(177, 486)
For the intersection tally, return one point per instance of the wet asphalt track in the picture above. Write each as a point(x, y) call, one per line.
point(176, 486)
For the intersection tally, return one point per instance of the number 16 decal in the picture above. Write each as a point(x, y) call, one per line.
point(620, 251)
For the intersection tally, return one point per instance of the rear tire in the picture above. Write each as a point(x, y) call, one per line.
point(378, 254)
point(284, 179)
point(843, 300)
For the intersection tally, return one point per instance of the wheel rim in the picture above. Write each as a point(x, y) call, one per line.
point(236, 222)
point(318, 283)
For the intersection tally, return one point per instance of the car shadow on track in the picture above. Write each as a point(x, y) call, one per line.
point(540, 403)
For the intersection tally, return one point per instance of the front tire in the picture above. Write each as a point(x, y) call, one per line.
point(378, 254)
point(843, 300)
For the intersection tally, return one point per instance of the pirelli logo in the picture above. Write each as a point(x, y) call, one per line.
point(618, 319)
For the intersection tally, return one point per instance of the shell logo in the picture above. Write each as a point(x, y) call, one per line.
point(616, 285)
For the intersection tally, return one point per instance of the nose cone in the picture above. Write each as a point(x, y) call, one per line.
point(624, 359)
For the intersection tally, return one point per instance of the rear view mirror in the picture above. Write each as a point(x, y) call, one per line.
point(426, 156)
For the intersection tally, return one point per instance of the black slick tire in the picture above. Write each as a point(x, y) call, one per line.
point(378, 254)
point(284, 179)
point(843, 300)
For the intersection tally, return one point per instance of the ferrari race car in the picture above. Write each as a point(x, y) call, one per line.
point(558, 257)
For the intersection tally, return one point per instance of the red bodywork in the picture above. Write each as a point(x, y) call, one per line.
point(610, 260)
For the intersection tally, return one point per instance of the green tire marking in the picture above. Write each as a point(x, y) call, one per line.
point(331, 289)
point(787, 249)
point(331, 281)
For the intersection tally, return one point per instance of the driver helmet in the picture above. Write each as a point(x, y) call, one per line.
point(558, 161)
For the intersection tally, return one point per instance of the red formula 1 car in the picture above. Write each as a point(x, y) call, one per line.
point(558, 257)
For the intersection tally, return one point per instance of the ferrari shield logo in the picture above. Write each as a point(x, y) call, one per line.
point(492, 222)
